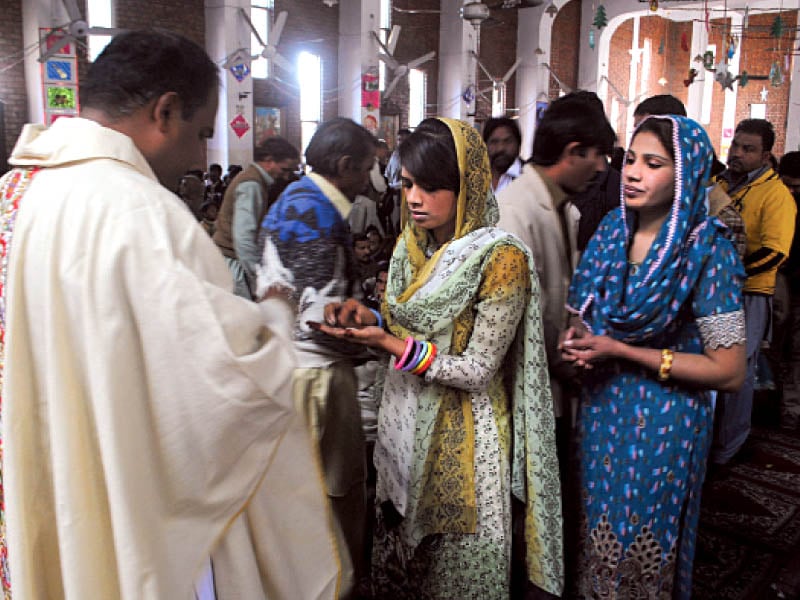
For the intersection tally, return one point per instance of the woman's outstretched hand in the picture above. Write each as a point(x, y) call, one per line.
point(350, 313)
point(371, 335)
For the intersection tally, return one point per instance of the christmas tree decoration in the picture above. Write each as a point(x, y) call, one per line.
point(654, 5)
point(591, 39)
point(743, 79)
point(777, 28)
point(690, 80)
point(600, 17)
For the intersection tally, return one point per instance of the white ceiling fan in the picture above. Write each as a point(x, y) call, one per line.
point(498, 88)
point(270, 48)
point(75, 31)
point(387, 56)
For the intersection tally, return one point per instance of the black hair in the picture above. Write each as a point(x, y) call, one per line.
point(576, 117)
point(790, 164)
point(359, 237)
point(215, 166)
point(140, 66)
point(662, 104)
point(494, 123)
point(761, 128)
point(662, 129)
point(429, 155)
point(335, 139)
point(372, 229)
point(275, 148)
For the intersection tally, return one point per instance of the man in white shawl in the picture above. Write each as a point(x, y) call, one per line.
point(147, 421)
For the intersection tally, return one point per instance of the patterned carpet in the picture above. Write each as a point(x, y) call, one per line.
point(749, 539)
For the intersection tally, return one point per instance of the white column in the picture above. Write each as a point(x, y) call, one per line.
point(534, 29)
point(793, 118)
point(226, 32)
point(358, 53)
point(729, 111)
point(694, 100)
point(456, 38)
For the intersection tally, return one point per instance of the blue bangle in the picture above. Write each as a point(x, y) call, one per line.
point(377, 316)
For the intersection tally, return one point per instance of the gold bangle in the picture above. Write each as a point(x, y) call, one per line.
point(667, 356)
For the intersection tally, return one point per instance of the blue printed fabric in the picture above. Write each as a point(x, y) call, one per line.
point(643, 443)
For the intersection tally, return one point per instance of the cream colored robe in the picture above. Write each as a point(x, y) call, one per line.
point(147, 415)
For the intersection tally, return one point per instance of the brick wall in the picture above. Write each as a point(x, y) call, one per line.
point(12, 79)
point(564, 42)
point(186, 17)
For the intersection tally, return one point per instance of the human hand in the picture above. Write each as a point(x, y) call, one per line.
point(586, 350)
point(282, 292)
point(348, 314)
point(369, 335)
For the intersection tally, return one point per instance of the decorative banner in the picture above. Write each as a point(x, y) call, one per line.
point(541, 106)
point(240, 71)
point(240, 125)
point(50, 37)
point(370, 88)
point(370, 119)
point(61, 97)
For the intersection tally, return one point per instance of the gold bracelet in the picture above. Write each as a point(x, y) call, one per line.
point(667, 356)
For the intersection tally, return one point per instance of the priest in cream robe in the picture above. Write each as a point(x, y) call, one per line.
point(147, 421)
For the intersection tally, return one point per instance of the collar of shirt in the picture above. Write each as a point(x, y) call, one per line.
point(332, 193)
point(733, 186)
point(514, 171)
point(558, 195)
point(267, 177)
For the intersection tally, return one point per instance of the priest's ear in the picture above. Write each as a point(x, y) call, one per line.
point(165, 110)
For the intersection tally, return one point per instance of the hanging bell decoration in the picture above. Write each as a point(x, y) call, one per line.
point(653, 5)
point(551, 10)
point(591, 39)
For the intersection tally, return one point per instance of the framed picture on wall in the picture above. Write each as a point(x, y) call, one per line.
point(268, 123)
point(387, 130)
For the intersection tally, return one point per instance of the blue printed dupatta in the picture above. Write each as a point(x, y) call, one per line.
point(635, 307)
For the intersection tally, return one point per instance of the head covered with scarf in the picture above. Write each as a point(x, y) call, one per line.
point(611, 299)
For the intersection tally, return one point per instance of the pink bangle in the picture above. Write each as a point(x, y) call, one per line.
point(409, 345)
point(414, 360)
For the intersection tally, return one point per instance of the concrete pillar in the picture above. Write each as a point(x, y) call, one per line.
point(227, 32)
point(729, 111)
point(694, 101)
point(534, 30)
point(358, 54)
point(457, 38)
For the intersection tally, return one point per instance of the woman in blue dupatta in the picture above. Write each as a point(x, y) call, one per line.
point(658, 319)
point(472, 423)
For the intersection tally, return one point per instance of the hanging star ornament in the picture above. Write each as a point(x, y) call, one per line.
point(724, 77)
point(764, 92)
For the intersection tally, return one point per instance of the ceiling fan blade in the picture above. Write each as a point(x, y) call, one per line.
point(110, 31)
point(511, 71)
point(390, 88)
point(72, 10)
point(277, 28)
point(486, 89)
point(56, 48)
point(422, 59)
point(282, 62)
point(252, 27)
point(394, 35)
point(389, 61)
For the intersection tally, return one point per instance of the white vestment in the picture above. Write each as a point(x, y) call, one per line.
point(147, 418)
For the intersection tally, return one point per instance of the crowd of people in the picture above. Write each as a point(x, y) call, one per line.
point(441, 372)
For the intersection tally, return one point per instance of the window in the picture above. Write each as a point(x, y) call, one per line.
point(261, 13)
point(758, 111)
point(383, 33)
point(416, 97)
point(309, 77)
point(99, 13)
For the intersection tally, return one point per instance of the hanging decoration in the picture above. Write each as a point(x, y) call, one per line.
point(708, 60)
point(591, 39)
point(661, 47)
point(764, 92)
point(654, 5)
point(723, 76)
point(746, 18)
point(240, 71)
point(777, 28)
point(600, 17)
point(744, 77)
point(707, 17)
point(731, 46)
point(684, 42)
point(775, 74)
point(551, 9)
point(690, 80)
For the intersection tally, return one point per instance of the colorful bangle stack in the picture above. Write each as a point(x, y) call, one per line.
point(667, 356)
point(417, 357)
